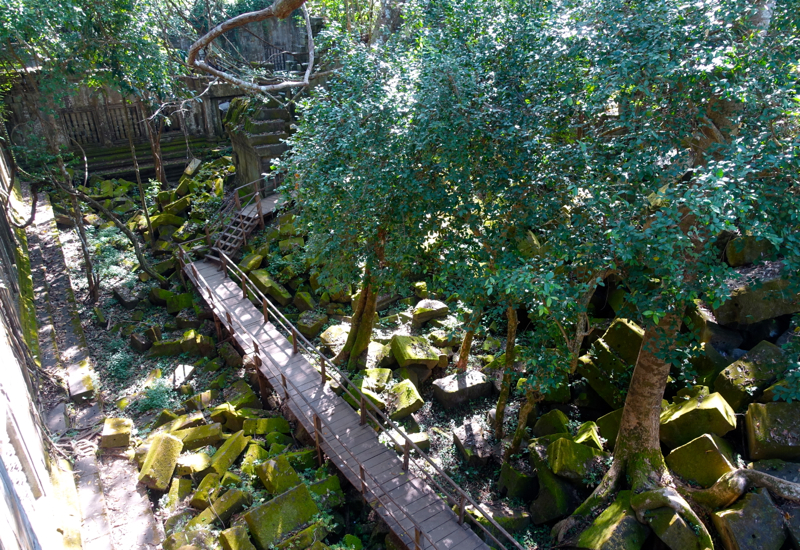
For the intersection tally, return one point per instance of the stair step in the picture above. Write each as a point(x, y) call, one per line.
point(264, 126)
point(256, 140)
point(271, 151)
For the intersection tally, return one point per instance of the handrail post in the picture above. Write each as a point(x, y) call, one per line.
point(416, 538)
point(217, 325)
point(265, 310)
point(363, 410)
point(406, 452)
point(283, 382)
point(262, 385)
point(317, 430)
point(244, 288)
point(260, 212)
point(461, 507)
point(236, 200)
point(223, 263)
point(322, 367)
point(208, 236)
point(363, 481)
point(294, 340)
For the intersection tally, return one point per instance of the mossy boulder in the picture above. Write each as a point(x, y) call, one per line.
point(377, 399)
point(179, 206)
point(287, 245)
point(459, 388)
point(227, 454)
point(271, 522)
point(277, 475)
point(304, 538)
point(515, 484)
point(240, 395)
point(310, 323)
point(512, 520)
point(165, 219)
point(674, 531)
point(553, 422)
point(773, 430)
point(304, 302)
point(251, 262)
point(200, 436)
point(255, 454)
point(192, 463)
point(606, 373)
point(703, 460)
point(574, 461)
point(405, 399)
point(236, 538)
point(615, 528)
point(557, 498)
point(414, 350)
point(421, 290)
point(303, 459)
point(684, 421)
point(230, 356)
point(759, 293)
point(444, 339)
point(222, 510)
point(159, 296)
point(271, 288)
point(178, 302)
point(206, 492)
point(426, 310)
point(374, 379)
point(197, 344)
point(752, 523)
point(334, 337)
point(328, 491)
point(747, 250)
point(116, 432)
point(260, 426)
point(608, 425)
point(754, 372)
point(179, 489)
point(588, 434)
point(160, 461)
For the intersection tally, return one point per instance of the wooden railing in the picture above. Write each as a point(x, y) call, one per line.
point(455, 495)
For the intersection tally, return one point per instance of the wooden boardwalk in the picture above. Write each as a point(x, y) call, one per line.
point(411, 509)
point(269, 204)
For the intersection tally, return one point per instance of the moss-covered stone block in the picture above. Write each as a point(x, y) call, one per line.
point(179, 206)
point(166, 219)
point(165, 348)
point(752, 523)
point(616, 527)
point(773, 430)
point(160, 461)
point(287, 245)
point(329, 491)
point(178, 302)
point(574, 461)
point(761, 293)
point(516, 484)
point(743, 379)
point(254, 455)
point(260, 426)
point(200, 401)
point(608, 425)
point(687, 420)
point(229, 479)
point(703, 460)
point(421, 290)
point(557, 498)
point(277, 475)
point(310, 323)
point(269, 523)
point(304, 538)
point(375, 398)
point(304, 301)
point(405, 399)
point(159, 296)
point(206, 492)
point(673, 530)
point(236, 538)
point(116, 433)
point(414, 350)
point(553, 422)
point(303, 459)
point(426, 310)
point(277, 437)
point(747, 250)
point(624, 338)
point(179, 489)
point(606, 373)
point(222, 510)
point(192, 463)
point(513, 520)
point(589, 434)
point(201, 436)
point(241, 396)
point(456, 389)
point(230, 356)
point(271, 288)
point(227, 454)
point(194, 343)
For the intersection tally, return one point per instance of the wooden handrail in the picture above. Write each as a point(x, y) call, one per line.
point(299, 339)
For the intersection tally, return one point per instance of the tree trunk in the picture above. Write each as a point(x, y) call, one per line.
point(129, 131)
point(357, 358)
point(531, 398)
point(505, 390)
point(91, 279)
point(356, 331)
point(466, 345)
point(154, 137)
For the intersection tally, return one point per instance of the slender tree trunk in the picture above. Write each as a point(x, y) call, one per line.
point(91, 279)
point(129, 131)
point(466, 345)
point(532, 397)
point(343, 357)
point(154, 137)
point(505, 389)
point(364, 334)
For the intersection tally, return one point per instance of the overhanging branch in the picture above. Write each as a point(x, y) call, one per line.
point(280, 9)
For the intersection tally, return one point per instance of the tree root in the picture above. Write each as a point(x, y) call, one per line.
point(734, 484)
point(606, 488)
point(667, 497)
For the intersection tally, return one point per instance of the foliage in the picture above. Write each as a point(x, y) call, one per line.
point(157, 397)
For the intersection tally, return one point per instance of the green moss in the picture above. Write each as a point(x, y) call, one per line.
point(27, 307)
point(272, 521)
point(277, 475)
point(160, 461)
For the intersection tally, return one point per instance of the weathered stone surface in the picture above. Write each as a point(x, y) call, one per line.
point(473, 444)
point(516, 484)
point(753, 523)
point(304, 301)
point(165, 348)
point(222, 509)
point(445, 339)
point(310, 323)
point(272, 521)
point(682, 422)
point(421, 440)
point(355, 400)
point(227, 454)
point(329, 491)
point(260, 426)
point(271, 288)
point(759, 368)
point(230, 355)
point(426, 310)
point(513, 520)
point(459, 388)
point(240, 396)
point(116, 432)
point(160, 461)
point(553, 422)
point(790, 471)
point(414, 350)
point(178, 490)
point(126, 297)
point(703, 460)
point(277, 475)
point(574, 461)
point(405, 400)
point(606, 373)
point(335, 337)
point(421, 290)
point(589, 434)
point(773, 430)
point(615, 529)
point(140, 343)
point(206, 492)
point(624, 338)
point(192, 463)
point(178, 302)
point(236, 538)
point(759, 293)
point(557, 498)
point(747, 250)
point(200, 436)
point(251, 262)
point(702, 322)
point(673, 530)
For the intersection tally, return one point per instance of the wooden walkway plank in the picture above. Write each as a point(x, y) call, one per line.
point(399, 497)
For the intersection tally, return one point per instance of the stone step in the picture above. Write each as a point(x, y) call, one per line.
point(264, 126)
point(266, 139)
point(271, 151)
point(272, 114)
